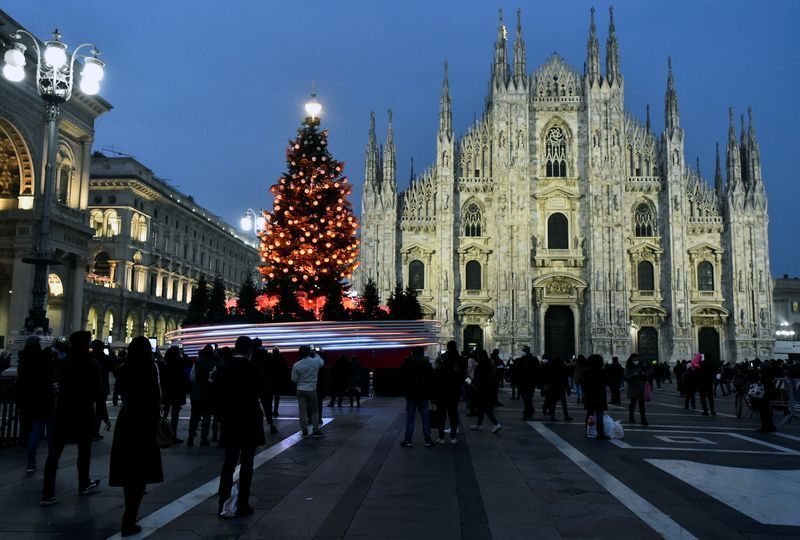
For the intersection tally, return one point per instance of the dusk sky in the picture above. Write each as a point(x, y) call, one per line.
point(206, 94)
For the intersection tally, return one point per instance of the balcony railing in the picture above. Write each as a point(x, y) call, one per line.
point(102, 281)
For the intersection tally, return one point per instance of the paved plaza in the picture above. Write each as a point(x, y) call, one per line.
point(684, 476)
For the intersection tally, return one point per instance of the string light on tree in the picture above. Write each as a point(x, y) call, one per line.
point(309, 244)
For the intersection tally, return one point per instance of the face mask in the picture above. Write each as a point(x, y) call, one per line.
point(635, 362)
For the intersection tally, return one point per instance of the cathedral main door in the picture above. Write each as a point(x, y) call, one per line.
point(473, 337)
point(648, 344)
point(559, 332)
point(708, 343)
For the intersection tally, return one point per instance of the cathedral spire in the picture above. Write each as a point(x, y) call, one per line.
point(671, 115)
point(733, 162)
point(389, 162)
point(413, 175)
point(519, 54)
point(371, 161)
point(718, 175)
point(754, 154)
point(500, 66)
point(445, 108)
point(593, 55)
point(613, 75)
point(744, 154)
point(647, 121)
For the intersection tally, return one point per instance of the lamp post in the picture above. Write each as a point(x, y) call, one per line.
point(55, 76)
point(252, 221)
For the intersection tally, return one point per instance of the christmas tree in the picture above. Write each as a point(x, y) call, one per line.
point(309, 245)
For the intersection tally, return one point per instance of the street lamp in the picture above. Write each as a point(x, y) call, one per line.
point(252, 221)
point(55, 77)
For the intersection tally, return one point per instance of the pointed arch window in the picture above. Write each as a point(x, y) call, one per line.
point(472, 220)
point(557, 231)
point(473, 271)
point(705, 276)
point(555, 153)
point(644, 221)
point(644, 276)
point(416, 275)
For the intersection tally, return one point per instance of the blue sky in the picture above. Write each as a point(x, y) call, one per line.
point(207, 93)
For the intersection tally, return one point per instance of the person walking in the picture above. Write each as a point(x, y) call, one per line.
point(593, 386)
point(276, 378)
point(106, 365)
point(260, 358)
point(635, 376)
point(527, 370)
point(80, 399)
point(764, 373)
point(339, 375)
point(241, 388)
point(556, 381)
point(485, 392)
point(35, 393)
point(499, 367)
point(354, 381)
point(200, 394)
point(304, 374)
point(135, 455)
point(174, 382)
point(449, 379)
point(416, 376)
point(615, 374)
point(705, 384)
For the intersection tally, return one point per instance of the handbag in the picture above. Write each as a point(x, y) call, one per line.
point(756, 391)
point(231, 505)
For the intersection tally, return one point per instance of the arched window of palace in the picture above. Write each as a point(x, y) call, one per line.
point(96, 222)
point(112, 223)
point(54, 285)
point(64, 173)
point(416, 275)
point(644, 276)
point(472, 220)
point(705, 276)
point(473, 271)
point(557, 232)
point(102, 264)
point(555, 153)
point(10, 173)
point(644, 220)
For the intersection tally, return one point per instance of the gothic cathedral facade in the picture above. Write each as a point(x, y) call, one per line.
point(561, 221)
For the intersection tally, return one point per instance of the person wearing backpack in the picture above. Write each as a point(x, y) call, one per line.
point(416, 376)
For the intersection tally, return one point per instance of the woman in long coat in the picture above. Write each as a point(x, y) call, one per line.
point(135, 456)
point(593, 385)
point(485, 391)
point(635, 377)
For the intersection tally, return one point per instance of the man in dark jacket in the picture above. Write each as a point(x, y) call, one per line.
point(80, 398)
point(527, 372)
point(241, 387)
point(416, 376)
point(614, 375)
point(260, 358)
point(107, 365)
point(200, 379)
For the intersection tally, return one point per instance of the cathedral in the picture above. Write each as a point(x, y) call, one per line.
point(561, 221)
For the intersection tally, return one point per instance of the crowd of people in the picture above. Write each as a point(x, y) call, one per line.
point(63, 391)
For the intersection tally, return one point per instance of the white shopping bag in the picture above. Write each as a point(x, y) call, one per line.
point(608, 425)
point(619, 431)
point(232, 504)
